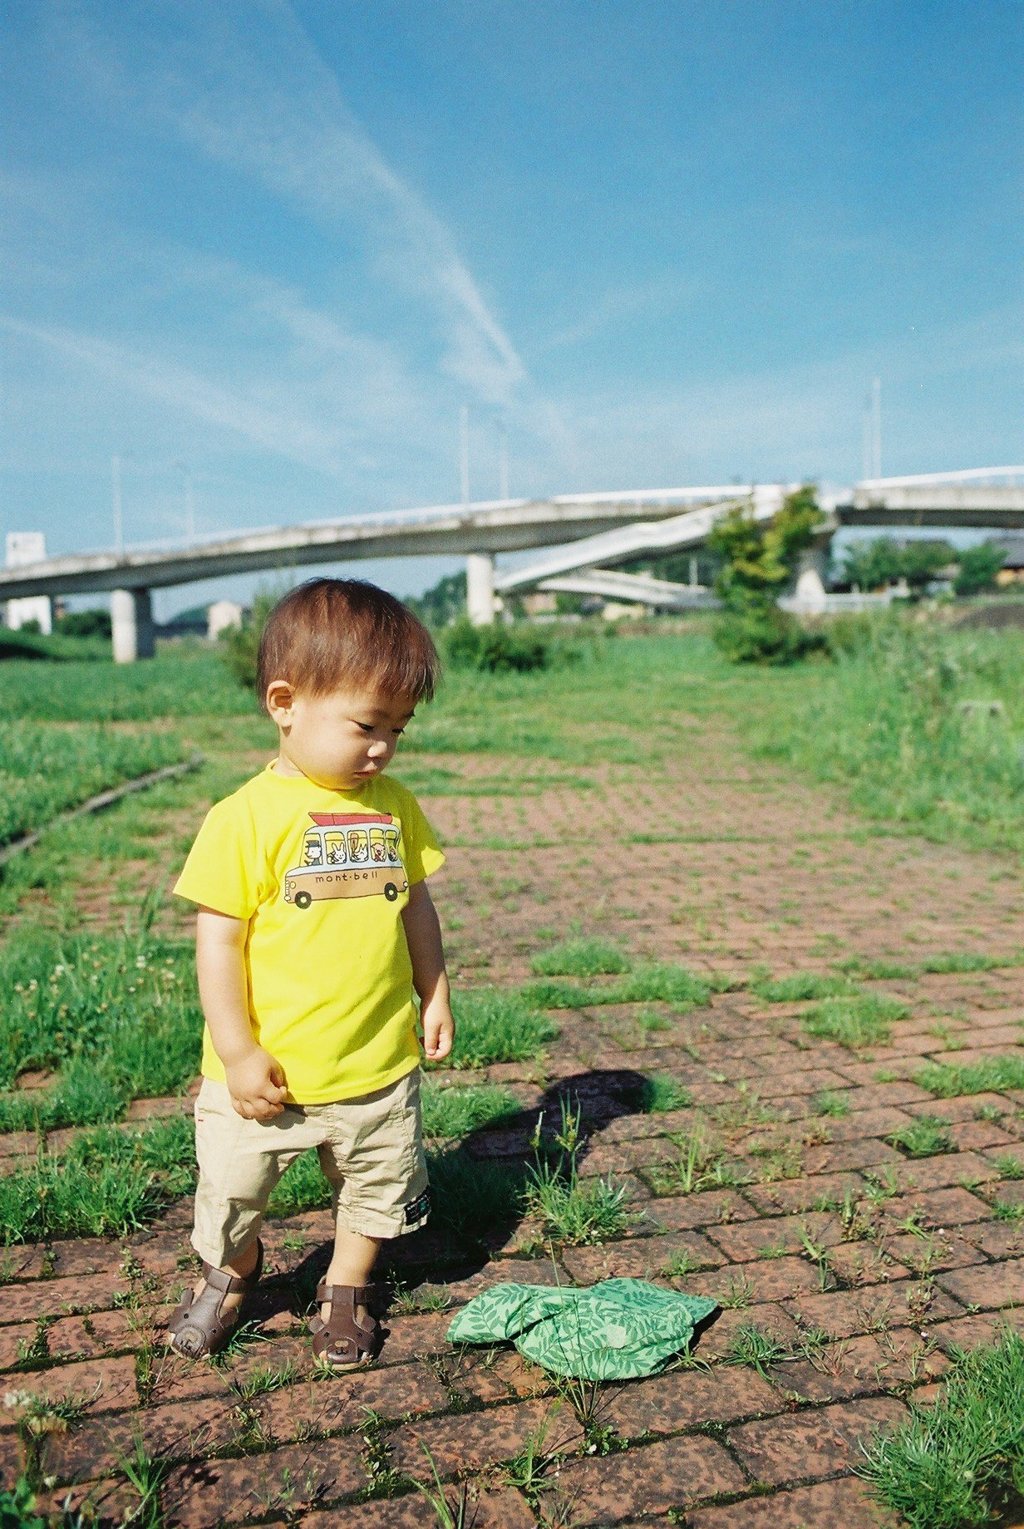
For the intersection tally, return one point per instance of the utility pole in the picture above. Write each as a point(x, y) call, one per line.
point(871, 434)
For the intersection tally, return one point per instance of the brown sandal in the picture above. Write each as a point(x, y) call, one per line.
point(343, 1342)
point(199, 1326)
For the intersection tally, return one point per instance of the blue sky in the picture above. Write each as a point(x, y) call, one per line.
point(273, 249)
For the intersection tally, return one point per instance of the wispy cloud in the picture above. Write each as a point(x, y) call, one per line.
point(258, 97)
point(271, 426)
point(613, 308)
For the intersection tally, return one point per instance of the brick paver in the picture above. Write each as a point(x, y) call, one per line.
point(848, 1270)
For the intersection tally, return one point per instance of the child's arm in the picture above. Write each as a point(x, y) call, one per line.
point(423, 936)
point(255, 1079)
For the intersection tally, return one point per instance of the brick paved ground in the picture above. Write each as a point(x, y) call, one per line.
point(858, 1266)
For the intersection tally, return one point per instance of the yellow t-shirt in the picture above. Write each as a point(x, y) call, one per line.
point(321, 877)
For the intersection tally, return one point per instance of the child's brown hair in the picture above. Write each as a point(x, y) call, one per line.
point(329, 633)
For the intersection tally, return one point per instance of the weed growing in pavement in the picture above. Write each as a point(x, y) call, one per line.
point(698, 1166)
point(108, 1182)
point(37, 1418)
point(994, 1075)
point(528, 1470)
point(452, 1512)
point(496, 1025)
point(857, 1019)
point(678, 1265)
point(738, 1294)
point(880, 1184)
point(408, 1302)
point(751, 1345)
point(928, 1135)
point(1010, 1167)
point(799, 986)
point(572, 1209)
point(962, 961)
point(472, 1197)
point(662, 1093)
point(451, 1112)
point(878, 969)
point(959, 1462)
point(654, 982)
point(583, 957)
point(1008, 1210)
point(830, 1103)
point(381, 1476)
point(650, 1021)
point(818, 1255)
point(265, 1378)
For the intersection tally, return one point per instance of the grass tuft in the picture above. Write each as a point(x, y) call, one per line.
point(451, 1112)
point(993, 1075)
point(960, 1462)
point(496, 1025)
point(928, 1135)
point(799, 986)
point(856, 1019)
point(591, 957)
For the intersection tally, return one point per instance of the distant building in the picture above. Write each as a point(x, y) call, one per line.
point(1012, 548)
point(221, 615)
point(27, 547)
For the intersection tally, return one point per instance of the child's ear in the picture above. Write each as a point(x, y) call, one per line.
point(279, 698)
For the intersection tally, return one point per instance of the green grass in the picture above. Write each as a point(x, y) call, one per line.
point(662, 1093)
point(590, 957)
point(885, 723)
point(928, 1135)
point(116, 1017)
point(497, 1025)
point(567, 1207)
point(653, 982)
point(451, 1112)
point(993, 1075)
point(184, 683)
point(800, 986)
point(857, 1019)
point(830, 1103)
point(45, 770)
point(108, 1182)
point(960, 1462)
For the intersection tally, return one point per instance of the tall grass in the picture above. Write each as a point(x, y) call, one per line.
point(116, 1017)
point(45, 769)
point(893, 721)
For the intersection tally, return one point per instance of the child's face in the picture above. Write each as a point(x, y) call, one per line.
point(339, 740)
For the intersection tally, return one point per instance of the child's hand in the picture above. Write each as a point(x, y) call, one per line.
point(256, 1085)
point(438, 1029)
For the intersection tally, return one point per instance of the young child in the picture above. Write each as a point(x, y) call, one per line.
point(314, 930)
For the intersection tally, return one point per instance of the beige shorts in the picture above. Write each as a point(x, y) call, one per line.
point(370, 1149)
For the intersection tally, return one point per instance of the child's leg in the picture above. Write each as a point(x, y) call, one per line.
point(351, 1264)
point(240, 1162)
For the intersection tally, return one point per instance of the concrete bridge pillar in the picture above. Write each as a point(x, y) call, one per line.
point(131, 616)
point(480, 588)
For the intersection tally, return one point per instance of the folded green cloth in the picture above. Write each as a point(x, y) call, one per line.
point(615, 1330)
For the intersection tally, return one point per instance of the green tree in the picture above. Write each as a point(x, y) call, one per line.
point(443, 603)
point(978, 568)
point(90, 623)
point(758, 558)
point(884, 562)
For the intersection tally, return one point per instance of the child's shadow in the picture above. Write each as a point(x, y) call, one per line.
point(478, 1185)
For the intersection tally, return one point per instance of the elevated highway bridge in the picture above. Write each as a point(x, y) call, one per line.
point(585, 531)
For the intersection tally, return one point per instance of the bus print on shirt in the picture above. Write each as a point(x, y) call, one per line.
point(347, 854)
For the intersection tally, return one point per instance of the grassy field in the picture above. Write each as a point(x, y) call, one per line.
point(571, 1009)
point(894, 722)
